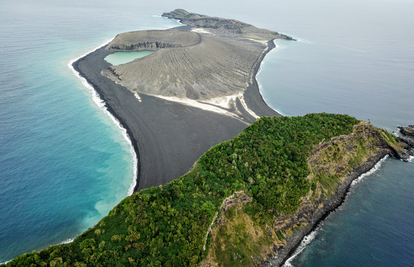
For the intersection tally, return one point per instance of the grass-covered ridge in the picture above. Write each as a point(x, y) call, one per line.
point(167, 225)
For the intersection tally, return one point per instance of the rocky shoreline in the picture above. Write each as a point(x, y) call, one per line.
point(329, 206)
point(222, 26)
point(168, 137)
point(407, 138)
point(282, 254)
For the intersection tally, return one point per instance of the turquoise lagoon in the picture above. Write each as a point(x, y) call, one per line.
point(123, 57)
point(64, 163)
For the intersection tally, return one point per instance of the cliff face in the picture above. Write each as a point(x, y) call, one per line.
point(334, 165)
point(153, 40)
point(407, 138)
point(186, 65)
point(246, 202)
point(213, 63)
point(222, 26)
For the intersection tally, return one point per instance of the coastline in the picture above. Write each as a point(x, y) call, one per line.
point(308, 238)
point(258, 83)
point(168, 153)
point(330, 205)
point(254, 97)
point(113, 95)
point(99, 101)
point(252, 93)
point(38, 55)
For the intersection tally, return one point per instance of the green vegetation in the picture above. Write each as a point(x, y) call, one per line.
point(328, 182)
point(390, 138)
point(238, 239)
point(167, 225)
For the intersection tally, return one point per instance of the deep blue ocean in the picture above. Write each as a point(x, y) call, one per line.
point(64, 162)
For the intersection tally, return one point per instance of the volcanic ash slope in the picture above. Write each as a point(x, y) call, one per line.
point(186, 64)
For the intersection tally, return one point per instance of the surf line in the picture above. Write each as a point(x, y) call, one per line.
point(259, 86)
point(307, 239)
point(102, 105)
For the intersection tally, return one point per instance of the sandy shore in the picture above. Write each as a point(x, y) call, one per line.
point(168, 136)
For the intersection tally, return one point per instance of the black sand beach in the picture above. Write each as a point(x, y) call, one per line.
point(168, 137)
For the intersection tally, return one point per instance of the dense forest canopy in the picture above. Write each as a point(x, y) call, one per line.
point(167, 225)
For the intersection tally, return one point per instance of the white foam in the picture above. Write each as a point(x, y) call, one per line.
point(309, 238)
point(304, 41)
point(67, 241)
point(410, 159)
point(371, 171)
point(180, 24)
point(101, 104)
point(305, 241)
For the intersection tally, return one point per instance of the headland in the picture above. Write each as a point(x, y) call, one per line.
point(249, 200)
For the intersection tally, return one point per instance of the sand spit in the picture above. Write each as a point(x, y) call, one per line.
point(195, 91)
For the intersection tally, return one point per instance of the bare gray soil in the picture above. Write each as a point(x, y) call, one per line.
point(153, 40)
point(167, 136)
point(223, 27)
point(187, 65)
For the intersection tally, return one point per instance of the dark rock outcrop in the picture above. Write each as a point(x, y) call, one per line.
point(407, 138)
point(312, 216)
point(311, 212)
point(222, 26)
point(408, 131)
point(153, 40)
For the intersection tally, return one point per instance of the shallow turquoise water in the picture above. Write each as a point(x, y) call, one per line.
point(64, 163)
point(119, 58)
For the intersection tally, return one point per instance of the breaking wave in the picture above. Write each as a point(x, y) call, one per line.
point(102, 105)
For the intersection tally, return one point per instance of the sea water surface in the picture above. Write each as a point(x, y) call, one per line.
point(64, 163)
point(119, 58)
point(354, 58)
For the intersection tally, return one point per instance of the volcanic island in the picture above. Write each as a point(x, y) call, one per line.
point(196, 90)
point(222, 180)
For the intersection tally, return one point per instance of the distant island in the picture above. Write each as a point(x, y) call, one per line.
point(223, 180)
point(217, 58)
point(224, 27)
